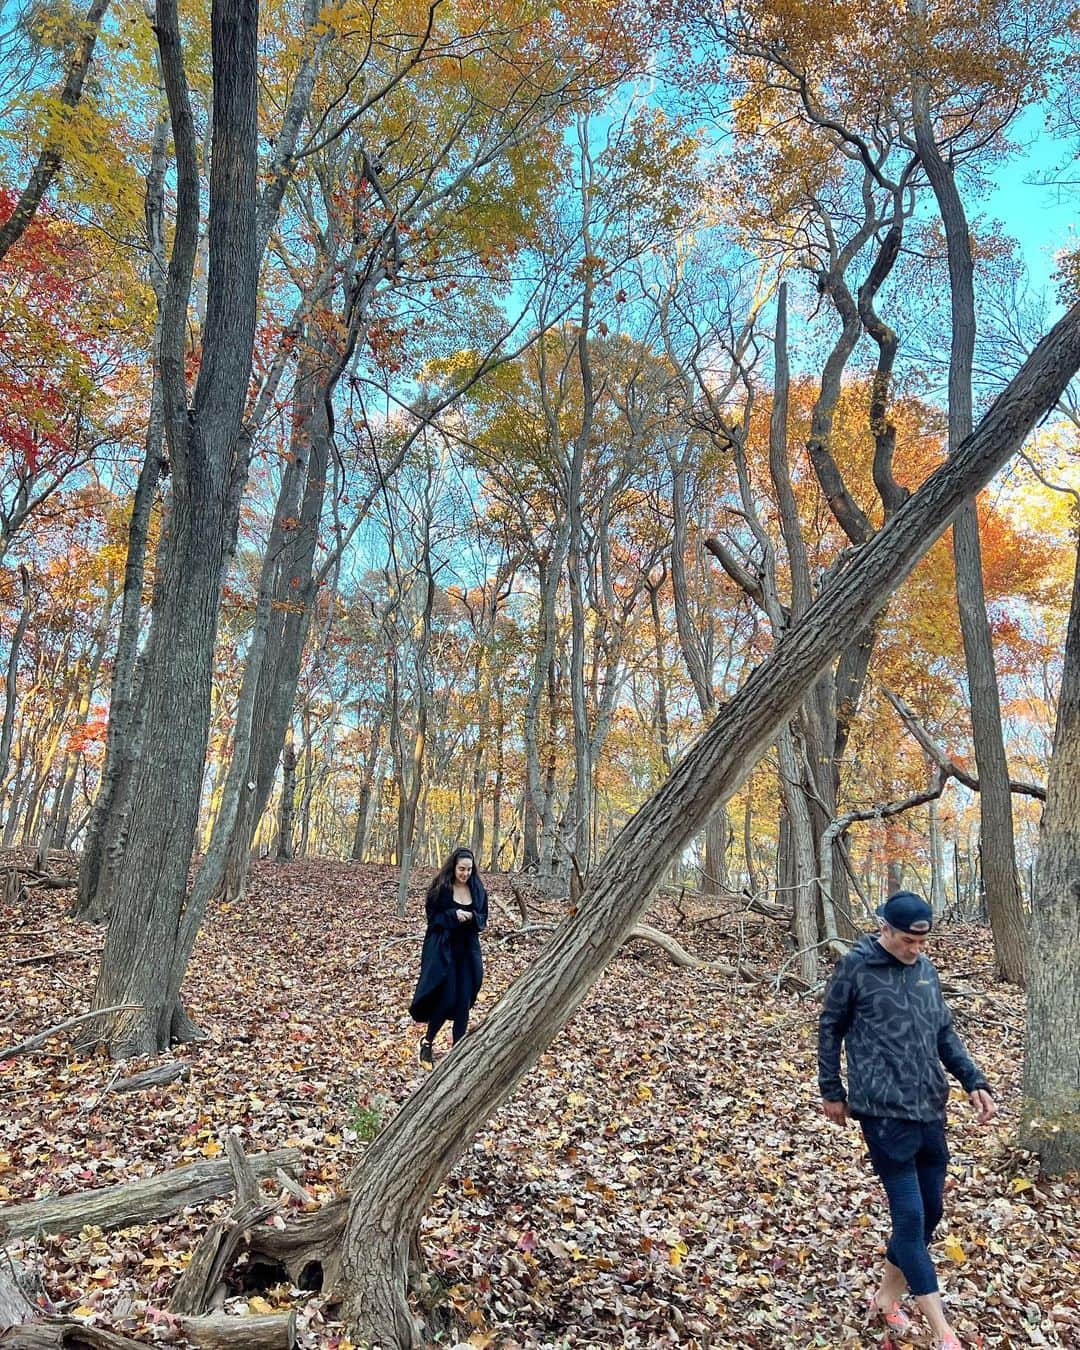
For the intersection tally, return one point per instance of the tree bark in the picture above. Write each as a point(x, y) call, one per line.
point(1003, 896)
point(409, 1159)
point(1050, 1123)
point(288, 803)
point(105, 832)
point(140, 963)
point(12, 678)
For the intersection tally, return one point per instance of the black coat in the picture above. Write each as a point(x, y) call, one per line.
point(451, 967)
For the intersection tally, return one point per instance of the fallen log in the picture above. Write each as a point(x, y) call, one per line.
point(275, 1331)
point(136, 1202)
point(64, 1333)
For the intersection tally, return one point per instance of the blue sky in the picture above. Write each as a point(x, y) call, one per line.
point(1042, 218)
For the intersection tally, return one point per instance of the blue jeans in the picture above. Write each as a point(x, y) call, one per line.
point(910, 1157)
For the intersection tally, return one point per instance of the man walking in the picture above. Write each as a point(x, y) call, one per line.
point(884, 1004)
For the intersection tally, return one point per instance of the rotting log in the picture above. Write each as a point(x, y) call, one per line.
point(307, 1249)
point(163, 1074)
point(136, 1202)
point(275, 1331)
point(214, 1257)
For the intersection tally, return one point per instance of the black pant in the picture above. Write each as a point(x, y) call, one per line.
point(910, 1157)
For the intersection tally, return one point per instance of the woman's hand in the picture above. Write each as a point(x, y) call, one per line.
point(463, 915)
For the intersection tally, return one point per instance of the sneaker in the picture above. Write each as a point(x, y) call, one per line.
point(424, 1054)
point(894, 1317)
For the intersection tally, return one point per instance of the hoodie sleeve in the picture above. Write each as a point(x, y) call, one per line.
point(832, 1026)
point(954, 1056)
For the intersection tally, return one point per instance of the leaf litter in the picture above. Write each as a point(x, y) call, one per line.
point(664, 1175)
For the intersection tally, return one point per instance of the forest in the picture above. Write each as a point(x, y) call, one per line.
point(634, 441)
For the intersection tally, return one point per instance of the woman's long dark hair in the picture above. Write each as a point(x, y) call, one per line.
point(444, 878)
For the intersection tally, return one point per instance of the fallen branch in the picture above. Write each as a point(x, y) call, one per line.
point(42, 958)
point(294, 1189)
point(168, 1072)
point(39, 1038)
point(136, 1202)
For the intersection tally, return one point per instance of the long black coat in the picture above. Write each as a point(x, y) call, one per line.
point(451, 967)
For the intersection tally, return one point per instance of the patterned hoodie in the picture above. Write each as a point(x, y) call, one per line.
point(897, 1032)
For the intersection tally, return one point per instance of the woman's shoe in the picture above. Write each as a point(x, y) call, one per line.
point(424, 1054)
point(894, 1318)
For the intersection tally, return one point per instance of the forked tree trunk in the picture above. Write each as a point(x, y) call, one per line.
point(143, 961)
point(409, 1159)
point(1050, 1124)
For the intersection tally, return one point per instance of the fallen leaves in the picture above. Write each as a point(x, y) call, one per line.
point(663, 1177)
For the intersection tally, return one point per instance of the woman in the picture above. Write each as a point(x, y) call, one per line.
point(451, 969)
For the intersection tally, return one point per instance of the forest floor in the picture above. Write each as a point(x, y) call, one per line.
point(664, 1176)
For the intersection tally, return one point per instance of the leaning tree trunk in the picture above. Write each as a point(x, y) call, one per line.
point(410, 1158)
point(1000, 877)
point(1051, 1113)
point(139, 962)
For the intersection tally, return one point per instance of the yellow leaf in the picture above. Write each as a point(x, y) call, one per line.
point(954, 1251)
point(210, 1149)
point(259, 1307)
point(1021, 1184)
point(676, 1253)
point(83, 1311)
point(644, 1092)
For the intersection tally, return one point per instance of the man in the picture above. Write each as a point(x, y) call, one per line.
point(884, 1004)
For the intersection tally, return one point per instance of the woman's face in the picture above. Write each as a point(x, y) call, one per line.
point(463, 870)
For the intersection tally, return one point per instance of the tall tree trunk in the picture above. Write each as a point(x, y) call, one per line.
point(142, 960)
point(11, 681)
point(107, 827)
point(287, 805)
point(410, 1158)
point(1050, 1123)
point(1003, 894)
point(937, 860)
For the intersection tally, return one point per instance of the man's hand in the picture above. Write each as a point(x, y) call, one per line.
point(836, 1111)
point(984, 1104)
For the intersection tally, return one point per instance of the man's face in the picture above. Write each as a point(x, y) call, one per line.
point(906, 947)
point(463, 870)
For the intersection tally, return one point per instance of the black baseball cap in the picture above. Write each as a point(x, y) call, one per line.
point(907, 912)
